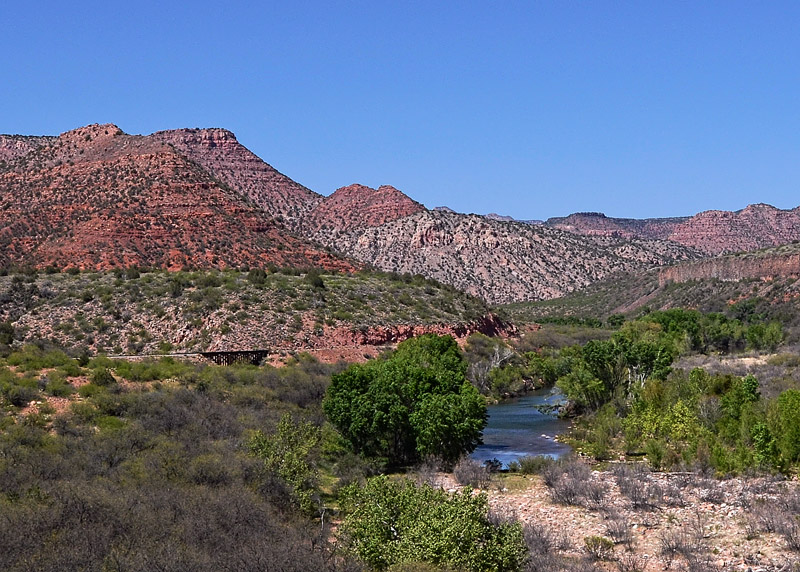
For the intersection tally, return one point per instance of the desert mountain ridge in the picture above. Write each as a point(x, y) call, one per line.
point(711, 232)
point(95, 197)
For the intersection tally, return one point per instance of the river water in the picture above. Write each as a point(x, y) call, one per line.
point(516, 428)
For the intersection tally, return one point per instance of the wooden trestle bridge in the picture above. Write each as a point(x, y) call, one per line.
point(254, 357)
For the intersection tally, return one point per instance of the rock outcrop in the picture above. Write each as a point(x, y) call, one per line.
point(757, 226)
point(711, 232)
point(489, 325)
point(219, 152)
point(14, 146)
point(782, 261)
point(598, 224)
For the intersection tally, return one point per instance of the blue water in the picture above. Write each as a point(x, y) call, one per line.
point(516, 429)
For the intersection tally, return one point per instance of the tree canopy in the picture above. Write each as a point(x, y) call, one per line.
point(414, 403)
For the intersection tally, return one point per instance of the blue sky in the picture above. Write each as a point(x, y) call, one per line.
point(533, 109)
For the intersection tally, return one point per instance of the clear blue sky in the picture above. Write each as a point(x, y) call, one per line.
point(533, 109)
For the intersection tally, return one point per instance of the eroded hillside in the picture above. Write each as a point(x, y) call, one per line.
point(500, 261)
point(219, 152)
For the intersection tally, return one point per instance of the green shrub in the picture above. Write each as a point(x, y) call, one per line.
point(103, 377)
point(210, 470)
point(655, 451)
point(34, 358)
point(71, 369)
point(389, 523)
point(788, 422)
point(290, 454)
point(534, 464)
point(314, 278)
point(83, 412)
point(59, 388)
point(20, 395)
point(599, 547)
point(108, 422)
point(90, 390)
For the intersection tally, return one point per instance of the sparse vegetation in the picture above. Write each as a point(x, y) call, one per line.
point(142, 310)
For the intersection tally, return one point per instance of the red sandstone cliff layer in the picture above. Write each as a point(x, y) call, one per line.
point(782, 261)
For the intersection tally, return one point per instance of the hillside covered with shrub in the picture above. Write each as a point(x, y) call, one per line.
point(283, 310)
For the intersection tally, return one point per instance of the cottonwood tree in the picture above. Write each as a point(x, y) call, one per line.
point(412, 404)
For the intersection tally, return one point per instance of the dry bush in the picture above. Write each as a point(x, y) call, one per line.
point(534, 465)
point(634, 483)
point(780, 515)
point(539, 539)
point(582, 565)
point(638, 492)
point(673, 496)
point(710, 491)
point(552, 474)
point(764, 517)
point(790, 530)
point(469, 472)
point(571, 483)
point(789, 502)
point(595, 494)
point(567, 491)
point(426, 471)
point(631, 562)
point(697, 525)
point(681, 542)
point(619, 530)
point(542, 545)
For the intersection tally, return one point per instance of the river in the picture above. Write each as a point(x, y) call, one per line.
point(516, 428)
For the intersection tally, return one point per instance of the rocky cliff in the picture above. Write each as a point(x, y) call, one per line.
point(598, 224)
point(783, 261)
point(219, 152)
point(14, 146)
point(757, 226)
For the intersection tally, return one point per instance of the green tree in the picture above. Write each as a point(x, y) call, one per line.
point(773, 336)
point(414, 403)
point(741, 393)
point(314, 278)
point(583, 389)
point(289, 454)
point(391, 522)
point(788, 433)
